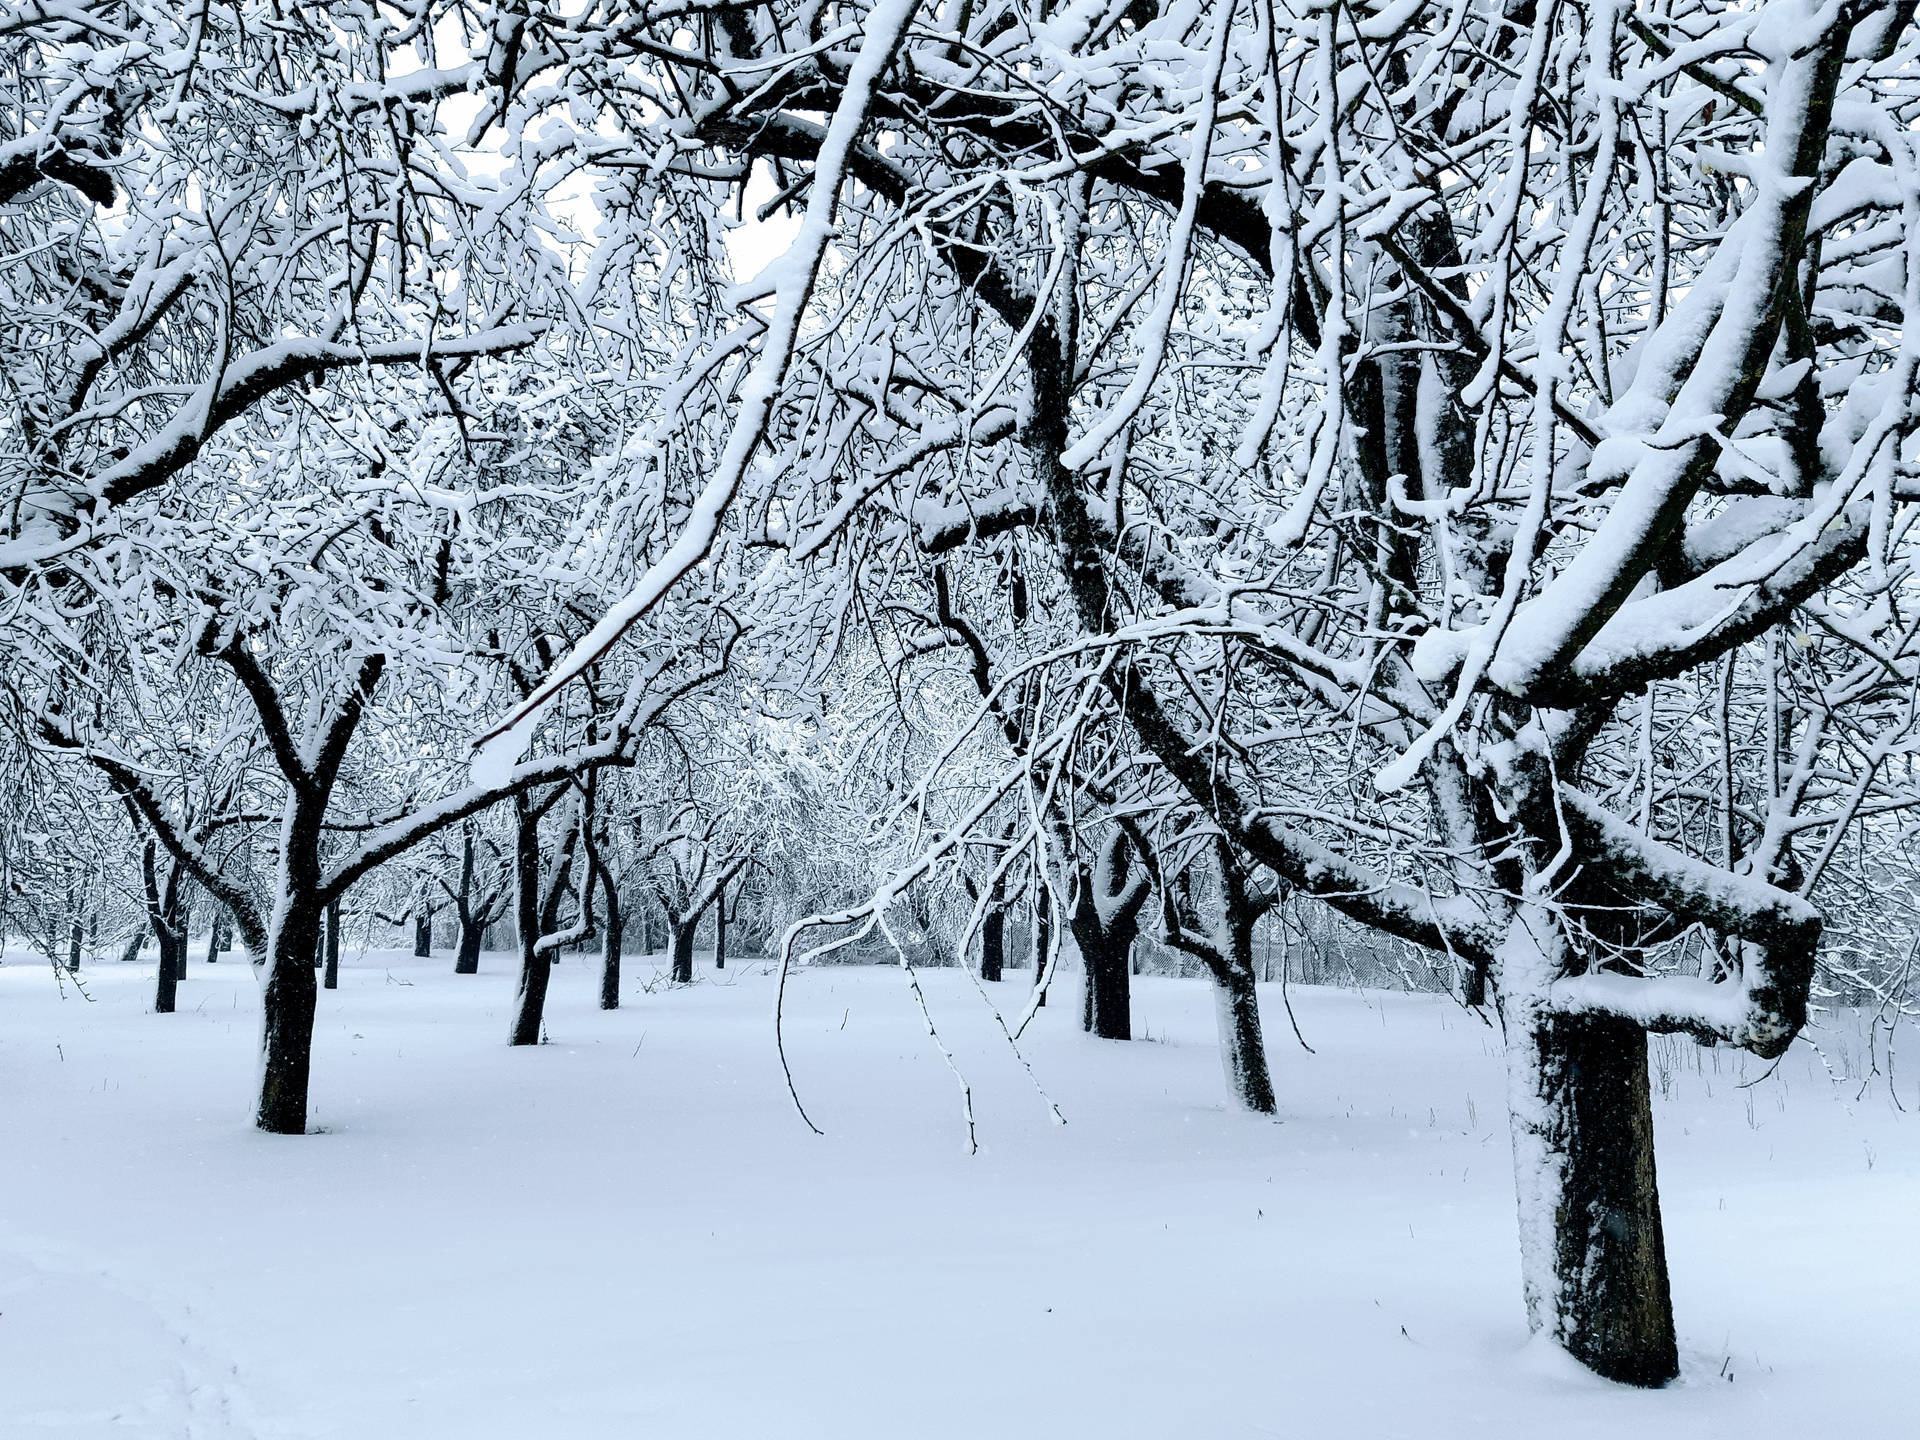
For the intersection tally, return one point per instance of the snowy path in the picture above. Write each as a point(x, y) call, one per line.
point(627, 1233)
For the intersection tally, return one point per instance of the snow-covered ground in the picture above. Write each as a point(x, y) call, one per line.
point(627, 1232)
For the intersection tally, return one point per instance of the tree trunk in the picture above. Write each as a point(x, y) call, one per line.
point(720, 931)
point(423, 935)
point(213, 939)
point(536, 966)
point(1042, 940)
point(1105, 941)
point(993, 943)
point(183, 918)
point(287, 1006)
point(1107, 999)
point(132, 952)
point(610, 945)
point(166, 983)
point(332, 981)
point(683, 933)
point(1592, 1248)
point(73, 947)
point(1243, 1050)
point(466, 958)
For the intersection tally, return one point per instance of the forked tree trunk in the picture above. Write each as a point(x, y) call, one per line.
point(610, 945)
point(1592, 1247)
point(287, 1007)
point(1243, 1049)
point(332, 980)
point(683, 933)
point(993, 943)
point(1105, 921)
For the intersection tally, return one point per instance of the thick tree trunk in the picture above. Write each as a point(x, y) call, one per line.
point(1243, 1049)
point(993, 943)
point(1107, 998)
point(466, 958)
point(610, 945)
point(720, 931)
point(683, 933)
point(287, 1006)
point(1592, 1247)
point(423, 935)
point(332, 980)
point(536, 966)
point(132, 952)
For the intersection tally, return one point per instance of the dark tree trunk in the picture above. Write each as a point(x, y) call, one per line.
point(720, 931)
point(166, 983)
point(683, 933)
point(332, 981)
point(213, 938)
point(1243, 1049)
point(132, 952)
point(610, 945)
point(73, 947)
point(1104, 926)
point(535, 964)
point(164, 917)
point(1473, 983)
point(993, 943)
point(466, 958)
point(423, 935)
point(182, 921)
point(1107, 998)
point(287, 1007)
point(1042, 939)
point(1594, 1251)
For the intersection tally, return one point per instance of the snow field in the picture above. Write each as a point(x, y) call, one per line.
point(628, 1232)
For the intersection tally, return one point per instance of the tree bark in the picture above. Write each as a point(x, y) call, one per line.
point(1042, 939)
point(720, 930)
point(466, 958)
point(1243, 1049)
point(1105, 920)
point(610, 944)
point(73, 947)
point(163, 911)
point(1592, 1247)
point(287, 1008)
point(332, 980)
point(535, 965)
point(683, 933)
point(993, 943)
point(423, 935)
point(166, 983)
point(183, 918)
point(1107, 997)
